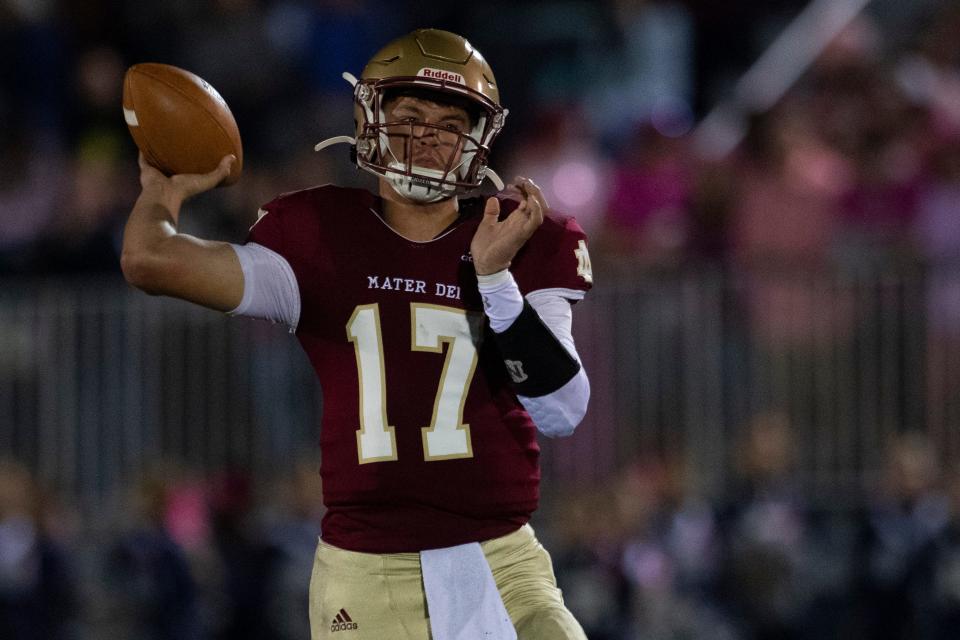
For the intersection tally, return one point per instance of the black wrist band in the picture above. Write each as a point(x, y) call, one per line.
point(536, 361)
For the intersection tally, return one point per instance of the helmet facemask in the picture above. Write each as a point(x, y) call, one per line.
point(443, 68)
point(386, 148)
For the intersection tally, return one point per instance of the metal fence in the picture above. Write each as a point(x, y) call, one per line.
point(99, 382)
point(689, 364)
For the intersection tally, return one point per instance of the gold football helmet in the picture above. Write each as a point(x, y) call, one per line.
point(445, 68)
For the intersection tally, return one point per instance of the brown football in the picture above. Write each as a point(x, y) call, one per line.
point(179, 122)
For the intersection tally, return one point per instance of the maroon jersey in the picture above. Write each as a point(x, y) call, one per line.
point(423, 443)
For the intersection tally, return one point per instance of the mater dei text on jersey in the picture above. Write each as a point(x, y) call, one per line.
point(409, 285)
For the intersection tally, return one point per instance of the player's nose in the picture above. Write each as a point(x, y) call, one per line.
point(426, 135)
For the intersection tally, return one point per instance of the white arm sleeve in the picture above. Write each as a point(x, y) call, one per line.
point(270, 289)
point(557, 413)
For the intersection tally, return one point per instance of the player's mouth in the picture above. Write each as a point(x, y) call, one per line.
point(428, 162)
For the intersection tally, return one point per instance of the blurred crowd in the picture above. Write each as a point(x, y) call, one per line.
point(173, 556)
point(857, 166)
point(646, 554)
point(649, 556)
point(855, 170)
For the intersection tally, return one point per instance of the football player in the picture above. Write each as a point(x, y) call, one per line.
point(439, 328)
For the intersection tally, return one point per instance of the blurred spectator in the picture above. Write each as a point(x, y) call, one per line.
point(586, 548)
point(769, 575)
point(244, 563)
point(789, 192)
point(32, 182)
point(783, 224)
point(647, 211)
point(97, 89)
point(713, 196)
point(86, 234)
point(151, 589)
point(646, 71)
point(938, 565)
point(671, 555)
point(33, 111)
point(33, 65)
point(879, 208)
point(937, 235)
point(294, 532)
point(931, 76)
point(872, 125)
point(37, 585)
point(909, 513)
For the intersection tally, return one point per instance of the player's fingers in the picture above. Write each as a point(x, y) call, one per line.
point(521, 224)
point(145, 167)
point(512, 192)
point(223, 169)
point(530, 211)
point(531, 189)
point(191, 184)
point(149, 175)
point(491, 211)
point(530, 192)
point(536, 211)
point(527, 217)
point(207, 181)
point(529, 223)
point(226, 164)
point(532, 203)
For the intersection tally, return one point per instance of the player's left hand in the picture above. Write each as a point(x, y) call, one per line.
point(496, 242)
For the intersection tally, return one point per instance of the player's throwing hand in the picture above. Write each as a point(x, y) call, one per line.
point(181, 187)
point(496, 242)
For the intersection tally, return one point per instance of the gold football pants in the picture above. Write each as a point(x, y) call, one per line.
point(368, 596)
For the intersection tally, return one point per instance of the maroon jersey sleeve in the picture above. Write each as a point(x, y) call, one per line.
point(292, 225)
point(555, 258)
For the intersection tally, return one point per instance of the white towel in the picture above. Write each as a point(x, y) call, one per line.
point(462, 597)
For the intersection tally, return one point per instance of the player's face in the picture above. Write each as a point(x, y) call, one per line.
point(430, 130)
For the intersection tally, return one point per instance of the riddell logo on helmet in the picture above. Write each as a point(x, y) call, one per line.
point(440, 74)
